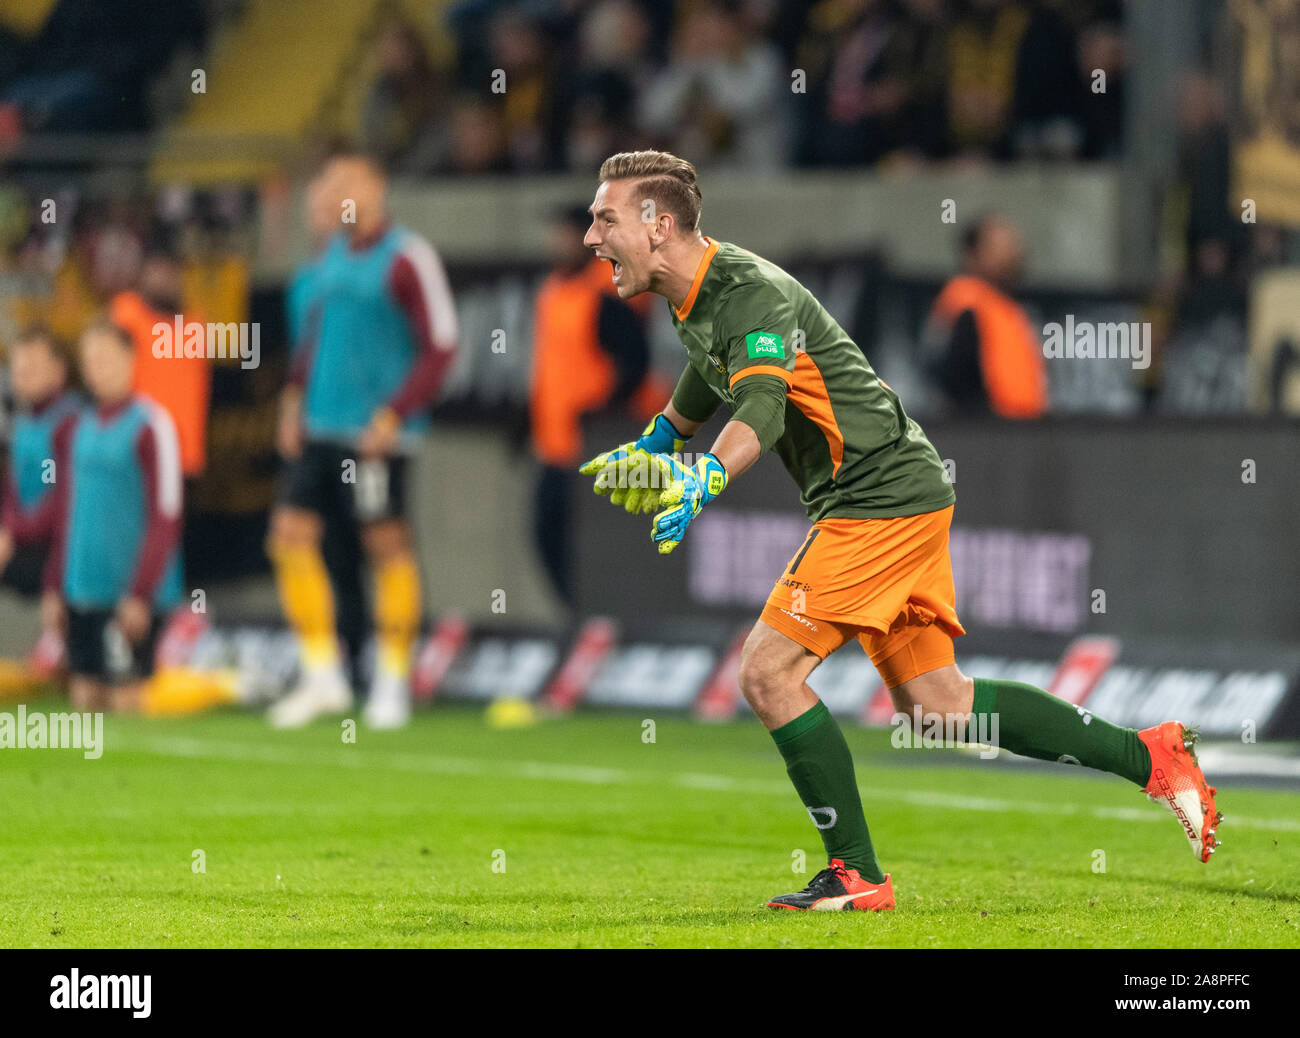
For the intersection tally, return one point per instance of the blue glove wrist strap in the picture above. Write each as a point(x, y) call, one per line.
point(712, 475)
point(661, 437)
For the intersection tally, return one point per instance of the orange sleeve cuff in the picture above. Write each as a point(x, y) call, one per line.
point(762, 369)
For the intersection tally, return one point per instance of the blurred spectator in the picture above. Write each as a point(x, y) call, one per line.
point(99, 258)
point(985, 354)
point(477, 141)
point(1101, 49)
point(405, 100)
point(876, 69)
point(68, 268)
point(614, 65)
point(533, 127)
point(1204, 363)
point(1069, 83)
point(721, 98)
point(1049, 97)
point(1206, 228)
point(216, 278)
point(598, 122)
point(119, 247)
point(590, 350)
point(615, 36)
point(920, 125)
point(787, 27)
point(983, 48)
point(1201, 366)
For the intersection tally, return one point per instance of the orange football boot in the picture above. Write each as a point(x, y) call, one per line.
point(1178, 782)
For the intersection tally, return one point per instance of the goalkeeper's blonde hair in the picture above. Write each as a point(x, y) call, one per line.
point(662, 177)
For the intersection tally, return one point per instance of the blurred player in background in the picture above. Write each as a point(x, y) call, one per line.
point(590, 350)
point(362, 384)
point(47, 411)
point(874, 566)
point(987, 356)
point(341, 539)
point(117, 527)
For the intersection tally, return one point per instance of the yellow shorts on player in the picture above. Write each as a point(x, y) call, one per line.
point(887, 582)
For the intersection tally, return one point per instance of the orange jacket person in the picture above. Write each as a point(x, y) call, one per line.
point(590, 350)
point(990, 357)
point(181, 384)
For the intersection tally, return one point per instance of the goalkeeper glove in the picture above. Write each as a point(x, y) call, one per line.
point(661, 437)
point(688, 491)
point(624, 473)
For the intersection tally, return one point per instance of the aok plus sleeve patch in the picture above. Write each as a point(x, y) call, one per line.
point(761, 345)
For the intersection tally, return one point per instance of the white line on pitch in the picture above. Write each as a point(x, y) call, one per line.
point(549, 772)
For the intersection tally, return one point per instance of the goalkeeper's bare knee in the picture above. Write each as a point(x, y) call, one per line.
point(773, 673)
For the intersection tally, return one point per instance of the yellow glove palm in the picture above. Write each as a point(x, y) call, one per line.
point(629, 474)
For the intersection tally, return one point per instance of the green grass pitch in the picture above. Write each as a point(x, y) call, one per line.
point(577, 833)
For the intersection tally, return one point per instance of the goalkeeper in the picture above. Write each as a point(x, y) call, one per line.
point(874, 566)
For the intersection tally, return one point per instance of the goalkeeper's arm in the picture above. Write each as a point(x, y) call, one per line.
point(693, 403)
point(756, 423)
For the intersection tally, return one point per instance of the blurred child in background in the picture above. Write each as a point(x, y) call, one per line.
point(47, 409)
point(118, 526)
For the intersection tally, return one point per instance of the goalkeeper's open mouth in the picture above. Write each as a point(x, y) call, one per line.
point(617, 273)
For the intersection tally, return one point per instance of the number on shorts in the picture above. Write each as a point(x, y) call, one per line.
point(812, 536)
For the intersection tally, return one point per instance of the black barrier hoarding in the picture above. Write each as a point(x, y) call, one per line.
point(1126, 528)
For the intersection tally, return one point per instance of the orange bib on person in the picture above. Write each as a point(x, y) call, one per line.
point(182, 385)
point(1011, 360)
point(571, 373)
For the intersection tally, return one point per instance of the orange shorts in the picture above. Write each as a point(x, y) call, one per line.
point(886, 581)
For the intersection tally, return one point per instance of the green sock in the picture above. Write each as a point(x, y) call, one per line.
point(818, 762)
point(1037, 724)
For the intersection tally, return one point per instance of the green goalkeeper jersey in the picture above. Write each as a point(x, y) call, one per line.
point(748, 325)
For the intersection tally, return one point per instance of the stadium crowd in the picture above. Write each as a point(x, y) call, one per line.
point(537, 86)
